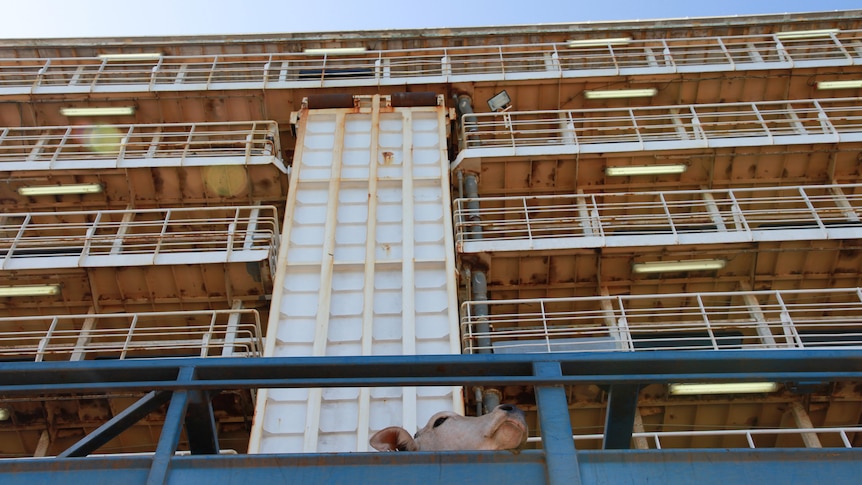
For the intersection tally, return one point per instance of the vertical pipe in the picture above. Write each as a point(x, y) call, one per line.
point(471, 191)
point(465, 109)
point(479, 287)
point(490, 397)
point(469, 187)
point(480, 400)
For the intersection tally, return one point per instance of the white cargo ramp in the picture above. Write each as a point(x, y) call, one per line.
point(366, 268)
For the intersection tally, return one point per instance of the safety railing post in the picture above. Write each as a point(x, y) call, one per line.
point(40, 75)
point(725, 51)
point(121, 155)
point(59, 147)
point(207, 337)
point(669, 216)
point(88, 238)
point(813, 210)
point(706, 321)
point(161, 239)
point(666, 54)
point(46, 340)
point(211, 72)
point(129, 334)
point(696, 126)
point(154, 73)
point(171, 430)
point(18, 237)
point(837, 41)
point(97, 73)
point(788, 327)
point(766, 131)
point(739, 221)
point(561, 460)
point(825, 123)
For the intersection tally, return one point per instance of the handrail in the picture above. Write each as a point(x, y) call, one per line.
point(658, 217)
point(440, 64)
point(136, 237)
point(140, 145)
point(662, 127)
point(213, 333)
point(557, 462)
point(748, 434)
point(788, 319)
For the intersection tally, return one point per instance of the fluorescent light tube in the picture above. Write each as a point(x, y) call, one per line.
point(806, 34)
point(107, 111)
point(29, 290)
point(673, 266)
point(60, 189)
point(620, 93)
point(645, 170)
point(839, 84)
point(598, 42)
point(723, 388)
point(335, 51)
point(139, 56)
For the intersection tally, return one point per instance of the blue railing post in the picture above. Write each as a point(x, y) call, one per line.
point(561, 460)
point(171, 430)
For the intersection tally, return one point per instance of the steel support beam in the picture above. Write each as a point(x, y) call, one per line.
point(620, 416)
point(116, 425)
point(201, 424)
point(171, 430)
point(600, 368)
point(671, 467)
point(557, 462)
point(556, 426)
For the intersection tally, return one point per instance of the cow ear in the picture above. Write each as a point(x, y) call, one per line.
point(393, 438)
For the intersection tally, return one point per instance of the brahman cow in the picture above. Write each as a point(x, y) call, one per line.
point(504, 428)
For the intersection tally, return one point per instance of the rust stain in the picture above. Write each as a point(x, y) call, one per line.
point(387, 158)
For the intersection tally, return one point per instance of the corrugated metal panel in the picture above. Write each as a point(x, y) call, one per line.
point(367, 268)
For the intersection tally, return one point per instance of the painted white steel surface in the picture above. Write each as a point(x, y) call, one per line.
point(208, 333)
point(625, 219)
point(504, 62)
point(619, 130)
point(366, 268)
point(138, 237)
point(88, 147)
point(721, 321)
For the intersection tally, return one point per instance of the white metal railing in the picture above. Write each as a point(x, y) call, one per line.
point(823, 318)
point(842, 437)
point(406, 66)
point(828, 120)
point(658, 218)
point(213, 333)
point(142, 145)
point(137, 237)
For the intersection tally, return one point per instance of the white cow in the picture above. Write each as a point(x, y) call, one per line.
point(504, 428)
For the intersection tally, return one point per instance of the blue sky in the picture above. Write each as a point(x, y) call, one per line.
point(123, 18)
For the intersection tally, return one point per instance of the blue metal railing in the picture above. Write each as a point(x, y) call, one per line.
point(557, 462)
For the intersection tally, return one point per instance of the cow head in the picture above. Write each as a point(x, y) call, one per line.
point(504, 428)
